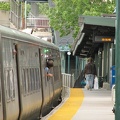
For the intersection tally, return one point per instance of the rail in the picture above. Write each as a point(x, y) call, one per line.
point(40, 22)
point(67, 83)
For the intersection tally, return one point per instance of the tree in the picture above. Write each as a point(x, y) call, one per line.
point(5, 6)
point(43, 8)
point(64, 16)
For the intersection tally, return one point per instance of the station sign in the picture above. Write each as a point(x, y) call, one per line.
point(64, 47)
point(104, 39)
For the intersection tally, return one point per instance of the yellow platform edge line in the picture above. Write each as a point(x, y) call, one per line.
point(70, 107)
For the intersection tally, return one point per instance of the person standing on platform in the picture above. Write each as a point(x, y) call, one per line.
point(90, 73)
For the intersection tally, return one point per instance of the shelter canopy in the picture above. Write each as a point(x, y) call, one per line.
point(94, 32)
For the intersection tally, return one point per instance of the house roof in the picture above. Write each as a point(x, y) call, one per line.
point(92, 26)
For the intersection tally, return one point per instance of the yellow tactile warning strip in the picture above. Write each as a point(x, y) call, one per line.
point(70, 107)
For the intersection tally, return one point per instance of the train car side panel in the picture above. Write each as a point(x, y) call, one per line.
point(52, 86)
point(11, 100)
point(30, 81)
point(45, 82)
point(57, 76)
point(1, 103)
point(26, 91)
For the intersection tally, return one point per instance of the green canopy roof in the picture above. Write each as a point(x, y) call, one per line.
point(101, 26)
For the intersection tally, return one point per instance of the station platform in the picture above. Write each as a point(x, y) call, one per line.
point(84, 104)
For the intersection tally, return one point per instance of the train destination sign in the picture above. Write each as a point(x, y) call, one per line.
point(104, 39)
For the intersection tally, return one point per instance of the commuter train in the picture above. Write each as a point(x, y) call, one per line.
point(25, 93)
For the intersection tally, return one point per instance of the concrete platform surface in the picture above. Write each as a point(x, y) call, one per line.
point(97, 105)
point(93, 105)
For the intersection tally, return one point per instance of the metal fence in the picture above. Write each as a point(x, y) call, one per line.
point(40, 22)
point(68, 82)
point(15, 13)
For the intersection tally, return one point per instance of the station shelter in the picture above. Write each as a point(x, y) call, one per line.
point(96, 39)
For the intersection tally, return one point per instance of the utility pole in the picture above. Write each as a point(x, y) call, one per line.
point(117, 60)
point(22, 14)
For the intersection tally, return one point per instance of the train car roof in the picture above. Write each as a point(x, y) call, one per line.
point(20, 36)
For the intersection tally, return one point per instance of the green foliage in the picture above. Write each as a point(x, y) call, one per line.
point(28, 9)
point(5, 6)
point(64, 16)
point(98, 7)
point(43, 8)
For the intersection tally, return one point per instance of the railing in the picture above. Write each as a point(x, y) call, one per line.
point(15, 14)
point(68, 82)
point(40, 22)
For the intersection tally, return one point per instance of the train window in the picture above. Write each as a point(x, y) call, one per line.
point(27, 77)
point(56, 77)
point(9, 84)
point(12, 87)
point(30, 87)
point(22, 52)
point(26, 81)
point(0, 86)
point(7, 80)
point(36, 74)
point(36, 54)
point(23, 81)
point(29, 82)
point(32, 78)
point(37, 79)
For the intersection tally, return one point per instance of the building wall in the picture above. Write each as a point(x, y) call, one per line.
point(4, 20)
point(4, 0)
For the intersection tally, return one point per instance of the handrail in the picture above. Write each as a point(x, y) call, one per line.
point(68, 80)
point(67, 83)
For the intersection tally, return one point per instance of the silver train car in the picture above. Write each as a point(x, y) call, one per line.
point(25, 93)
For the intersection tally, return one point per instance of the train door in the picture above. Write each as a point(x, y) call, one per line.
point(46, 82)
point(9, 79)
point(51, 79)
point(57, 75)
point(44, 79)
point(51, 85)
point(29, 81)
point(45, 88)
point(16, 69)
point(1, 105)
point(1, 110)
